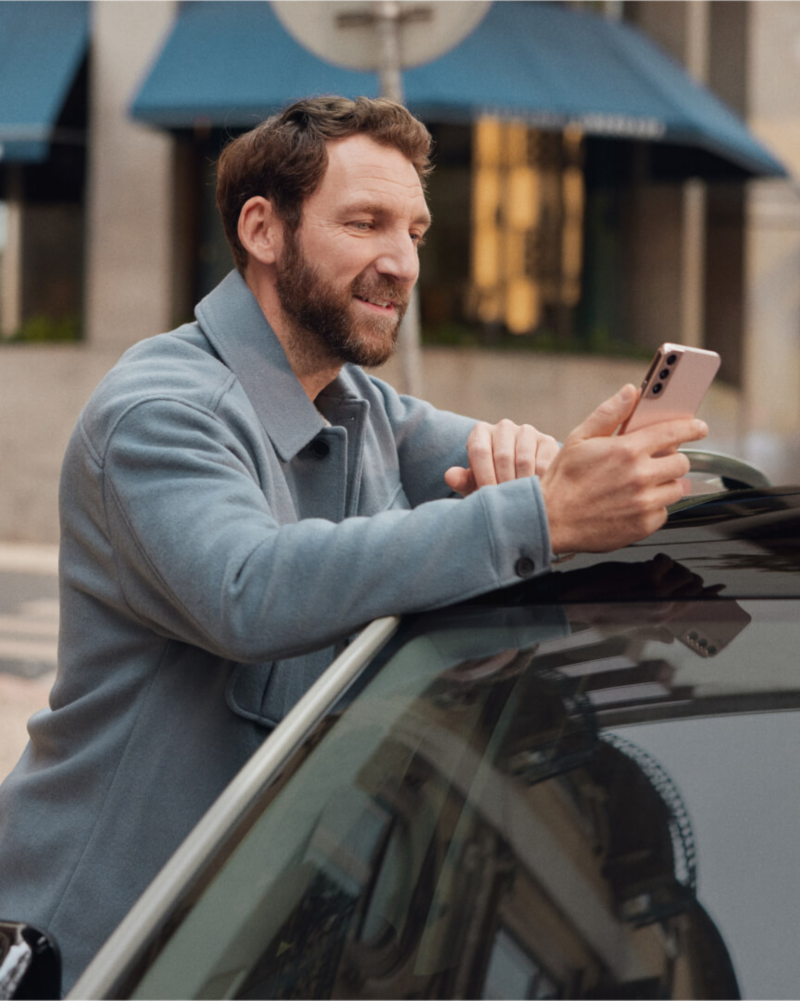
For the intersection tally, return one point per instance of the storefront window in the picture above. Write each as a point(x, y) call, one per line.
point(527, 229)
point(42, 226)
point(3, 242)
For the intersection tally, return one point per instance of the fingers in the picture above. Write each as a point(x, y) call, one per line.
point(650, 513)
point(668, 493)
point(546, 452)
point(604, 491)
point(534, 451)
point(603, 494)
point(506, 451)
point(481, 457)
point(460, 480)
point(605, 420)
point(659, 439)
point(670, 467)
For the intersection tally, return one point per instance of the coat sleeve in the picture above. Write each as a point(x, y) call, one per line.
point(201, 558)
point(429, 442)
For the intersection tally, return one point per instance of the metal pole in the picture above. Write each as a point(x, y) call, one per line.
point(387, 17)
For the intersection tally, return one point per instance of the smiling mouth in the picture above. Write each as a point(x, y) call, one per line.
point(381, 304)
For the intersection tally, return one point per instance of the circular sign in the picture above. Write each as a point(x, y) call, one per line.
point(344, 32)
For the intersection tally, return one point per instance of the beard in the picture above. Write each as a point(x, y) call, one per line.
point(318, 307)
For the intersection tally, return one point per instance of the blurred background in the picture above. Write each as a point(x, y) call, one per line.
point(610, 175)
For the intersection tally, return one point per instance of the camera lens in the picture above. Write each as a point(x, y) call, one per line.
point(657, 389)
point(671, 359)
point(664, 373)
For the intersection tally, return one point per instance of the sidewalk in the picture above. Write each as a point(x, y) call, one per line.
point(24, 557)
point(20, 698)
point(28, 637)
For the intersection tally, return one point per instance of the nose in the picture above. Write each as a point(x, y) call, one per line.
point(398, 259)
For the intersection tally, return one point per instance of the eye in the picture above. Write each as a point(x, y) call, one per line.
point(362, 225)
point(418, 239)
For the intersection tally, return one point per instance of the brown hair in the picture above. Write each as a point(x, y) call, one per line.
point(284, 158)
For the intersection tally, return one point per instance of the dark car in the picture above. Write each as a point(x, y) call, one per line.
point(582, 786)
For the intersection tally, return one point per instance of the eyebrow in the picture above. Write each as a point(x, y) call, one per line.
point(375, 208)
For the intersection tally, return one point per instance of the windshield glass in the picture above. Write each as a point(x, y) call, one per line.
point(478, 818)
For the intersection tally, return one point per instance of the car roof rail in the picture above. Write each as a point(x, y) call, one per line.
point(735, 474)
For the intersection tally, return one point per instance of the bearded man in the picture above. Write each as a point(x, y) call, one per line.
point(239, 497)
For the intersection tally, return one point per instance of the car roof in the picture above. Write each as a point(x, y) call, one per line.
point(740, 544)
point(721, 566)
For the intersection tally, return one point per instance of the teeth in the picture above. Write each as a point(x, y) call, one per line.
point(377, 302)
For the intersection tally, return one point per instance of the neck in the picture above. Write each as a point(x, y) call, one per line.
point(311, 361)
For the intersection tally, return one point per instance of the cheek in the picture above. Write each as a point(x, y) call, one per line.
point(339, 260)
point(350, 256)
point(360, 261)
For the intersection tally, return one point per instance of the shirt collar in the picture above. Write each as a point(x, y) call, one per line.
point(234, 323)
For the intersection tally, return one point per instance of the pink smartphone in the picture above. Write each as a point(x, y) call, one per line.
point(674, 386)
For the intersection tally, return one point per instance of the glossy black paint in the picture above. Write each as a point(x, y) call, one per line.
point(743, 544)
point(30, 963)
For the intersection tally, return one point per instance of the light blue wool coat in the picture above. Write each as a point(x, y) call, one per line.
point(219, 541)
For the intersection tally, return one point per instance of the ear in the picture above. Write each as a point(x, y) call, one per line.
point(260, 230)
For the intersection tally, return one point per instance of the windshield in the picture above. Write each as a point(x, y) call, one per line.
point(478, 818)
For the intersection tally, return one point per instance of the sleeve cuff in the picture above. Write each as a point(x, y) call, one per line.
point(518, 529)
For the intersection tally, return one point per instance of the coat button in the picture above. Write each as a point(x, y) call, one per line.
point(524, 566)
point(319, 448)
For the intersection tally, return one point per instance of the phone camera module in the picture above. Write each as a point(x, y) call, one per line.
point(671, 359)
point(657, 388)
point(664, 373)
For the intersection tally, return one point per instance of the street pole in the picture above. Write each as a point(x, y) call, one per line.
point(387, 18)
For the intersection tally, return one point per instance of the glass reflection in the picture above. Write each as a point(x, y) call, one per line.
point(464, 827)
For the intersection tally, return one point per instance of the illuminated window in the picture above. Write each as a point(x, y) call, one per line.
point(527, 233)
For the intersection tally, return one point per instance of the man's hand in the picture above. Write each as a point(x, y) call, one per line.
point(603, 492)
point(501, 452)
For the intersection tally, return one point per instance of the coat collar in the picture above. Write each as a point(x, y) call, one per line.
point(234, 323)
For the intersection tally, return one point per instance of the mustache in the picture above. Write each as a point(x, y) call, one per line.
point(386, 289)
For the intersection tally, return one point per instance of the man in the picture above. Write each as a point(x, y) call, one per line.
point(239, 497)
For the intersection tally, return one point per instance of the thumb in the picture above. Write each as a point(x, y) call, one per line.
point(605, 420)
point(459, 479)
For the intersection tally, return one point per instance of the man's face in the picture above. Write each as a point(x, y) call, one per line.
point(346, 275)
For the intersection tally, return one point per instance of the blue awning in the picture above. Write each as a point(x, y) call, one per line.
point(554, 66)
point(230, 64)
point(42, 46)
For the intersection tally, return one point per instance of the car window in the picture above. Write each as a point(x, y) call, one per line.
point(466, 823)
point(738, 781)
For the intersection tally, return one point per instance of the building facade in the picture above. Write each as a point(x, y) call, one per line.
point(541, 233)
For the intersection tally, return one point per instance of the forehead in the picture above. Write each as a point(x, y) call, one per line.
point(360, 167)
